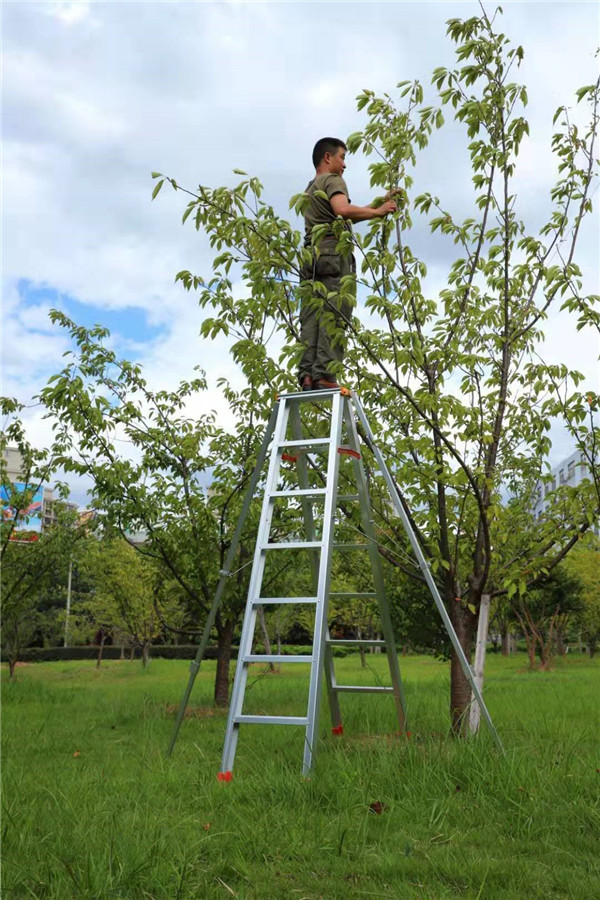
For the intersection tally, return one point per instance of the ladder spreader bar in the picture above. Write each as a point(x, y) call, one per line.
point(306, 442)
point(350, 594)
point(345, 498)
point(362, 689)
point(270, 720)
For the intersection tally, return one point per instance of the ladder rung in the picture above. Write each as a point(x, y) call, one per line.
point(306, 442)
point(362, 689)
point(271, 720)
point(350, 594)
point(303, 492)
point(274, 658)
point(346, 498)
point(262, 600)
point(294, 545)
point(350, 641)
point(351, 546)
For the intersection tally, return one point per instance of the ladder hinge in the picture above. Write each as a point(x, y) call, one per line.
point(348, 451)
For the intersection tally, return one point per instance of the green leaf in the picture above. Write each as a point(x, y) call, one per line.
point(157, 188)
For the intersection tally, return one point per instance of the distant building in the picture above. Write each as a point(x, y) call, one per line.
point(572, 471)
point(16, 475)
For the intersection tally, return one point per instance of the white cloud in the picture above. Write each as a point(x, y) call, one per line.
point(98, 95)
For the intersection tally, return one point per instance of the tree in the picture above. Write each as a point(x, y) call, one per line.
point(125, 588)
point(584, 564)
point(543, 612)
point(455, 384)
point(30, 561)
point(179, 479)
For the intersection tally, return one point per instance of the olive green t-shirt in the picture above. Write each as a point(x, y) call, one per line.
point(319, 211)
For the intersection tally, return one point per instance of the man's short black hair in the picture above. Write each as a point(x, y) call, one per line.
point(326, 145)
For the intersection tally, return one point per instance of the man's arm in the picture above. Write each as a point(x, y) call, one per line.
point(341, 207)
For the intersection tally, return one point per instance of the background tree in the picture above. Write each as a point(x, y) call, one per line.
point(584, 564)
point(543, 613)
point(154, 468)
point(30, 568)
point(454, 384)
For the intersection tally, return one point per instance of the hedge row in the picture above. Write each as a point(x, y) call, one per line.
point(161, 651)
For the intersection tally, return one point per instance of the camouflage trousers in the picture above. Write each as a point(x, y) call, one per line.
point(323, 319)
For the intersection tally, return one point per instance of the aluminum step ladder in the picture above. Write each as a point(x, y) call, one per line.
point(341, 441)
point(288, 445)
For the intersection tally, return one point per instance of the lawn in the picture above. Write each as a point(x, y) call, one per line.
point(93, 809)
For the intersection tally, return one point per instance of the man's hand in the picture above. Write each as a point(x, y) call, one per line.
point(390, 206)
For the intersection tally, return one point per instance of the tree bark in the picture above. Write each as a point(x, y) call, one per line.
point(100, 650)
point(505, 636)
point(224, 639)
point(592, 647)
point(12, 664)
point(460, 689)
point(145, 654)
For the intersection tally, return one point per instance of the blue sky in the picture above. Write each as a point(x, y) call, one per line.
point(96, 95)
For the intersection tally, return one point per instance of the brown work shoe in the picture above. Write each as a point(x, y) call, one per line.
point(307, 383)
point(322, 384)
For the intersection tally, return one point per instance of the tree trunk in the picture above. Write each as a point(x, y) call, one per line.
point(560, 642)
point(505, 637)
point(460, 689)
point(12, 664)
point(122, 656)
point(224, 639)
point(145, 655)
point(592, 647)
point(132, 653)
point(100, 650)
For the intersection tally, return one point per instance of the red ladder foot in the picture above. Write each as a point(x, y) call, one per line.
point(224, 776)
point(337, 729)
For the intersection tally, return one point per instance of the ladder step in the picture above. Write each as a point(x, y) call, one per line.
point(346, 498)
point(294, 545)
point(349, 642)
point(260, 601)
point(270, 720)
point(309, 396)
point(274, 658)
point(306, 442)
point(362, 689)
point(350, 594)
point(301, 492)
point(363, 546)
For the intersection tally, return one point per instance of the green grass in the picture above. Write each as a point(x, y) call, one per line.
point(92, 809)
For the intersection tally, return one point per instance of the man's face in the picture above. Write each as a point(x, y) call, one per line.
point(337, 161)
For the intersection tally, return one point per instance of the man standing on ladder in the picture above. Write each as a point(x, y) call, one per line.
point(321, 330)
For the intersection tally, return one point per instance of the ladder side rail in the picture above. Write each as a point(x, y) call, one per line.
point(309, 524)
point(377, 570)
point(464, 662)
point(254, 590)
point(323, 584)
point(235, 541)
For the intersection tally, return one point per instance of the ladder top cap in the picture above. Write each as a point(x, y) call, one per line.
point(315, 395)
